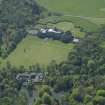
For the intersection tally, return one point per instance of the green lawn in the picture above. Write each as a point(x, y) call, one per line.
point(65, 26)
point(102, 45)
point(89, 14)
point(33, 50)
point(95, 8)
point(87, 24)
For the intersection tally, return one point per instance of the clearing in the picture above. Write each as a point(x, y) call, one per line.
point(33, 50)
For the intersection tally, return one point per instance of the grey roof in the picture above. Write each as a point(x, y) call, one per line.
point(38, 77)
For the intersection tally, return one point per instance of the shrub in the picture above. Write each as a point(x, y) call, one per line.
point(46, 99)
point(43, 90)
point(99, 100)
point(101, 93)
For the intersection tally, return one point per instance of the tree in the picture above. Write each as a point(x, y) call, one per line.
point(44, 89)
point(14, 20)
point(22, 98)
point(99, 100)
point(101, 93)
point(87, 99)
point(46, 99)
point(38, 101)
point(77, 95)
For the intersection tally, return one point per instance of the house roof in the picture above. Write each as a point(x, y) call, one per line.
point(27, 76)
point(75, 40)
point(49, 30)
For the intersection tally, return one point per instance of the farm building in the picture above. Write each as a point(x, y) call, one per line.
point(50, 31)
point(56, 34)
point(75, 40)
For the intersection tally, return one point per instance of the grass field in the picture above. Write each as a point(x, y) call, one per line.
point(33, 50)
point(95, 8)
point(89, 14)
point(70, 26)
point(65, 26)
point(66, 21)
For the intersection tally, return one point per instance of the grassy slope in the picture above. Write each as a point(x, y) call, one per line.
point(33, 50)
point(68, 26)
point(87, 24)
point(87, 13)
point(76, 7)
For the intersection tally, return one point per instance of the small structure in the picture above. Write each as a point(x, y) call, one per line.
point(22, 76)
point(32, 77)
point(36, 77)
point(56, 34)
point(50, 30)
point(75, 40)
